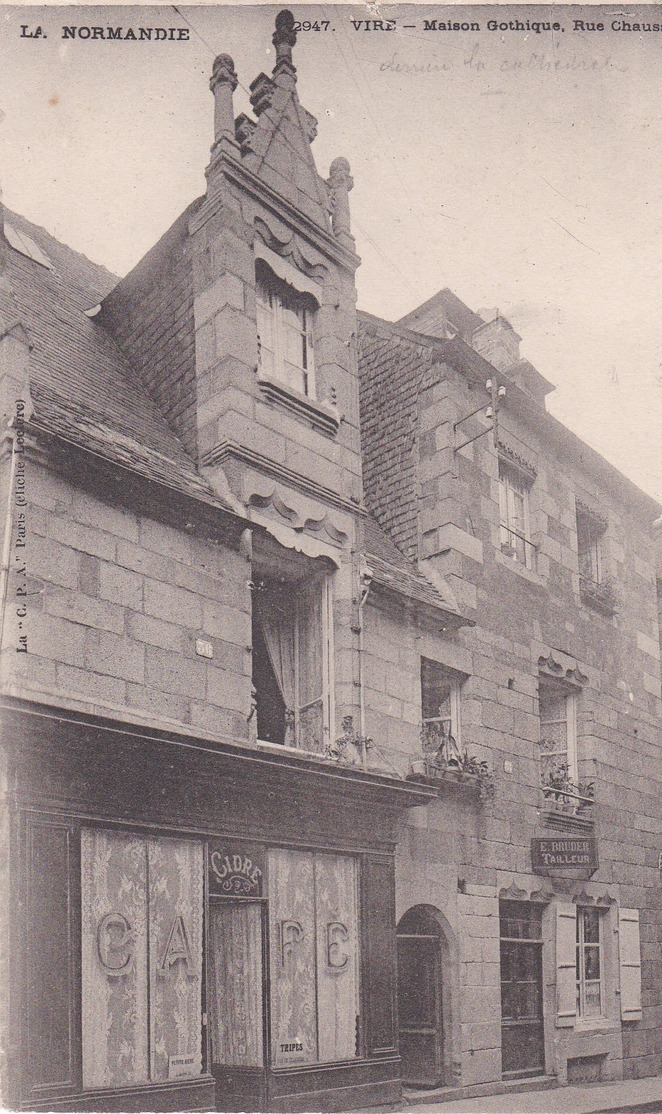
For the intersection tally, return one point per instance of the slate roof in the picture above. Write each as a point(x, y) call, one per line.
point(83, 388)
point(394, 572)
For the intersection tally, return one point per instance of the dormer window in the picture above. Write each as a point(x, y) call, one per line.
point(285, 333)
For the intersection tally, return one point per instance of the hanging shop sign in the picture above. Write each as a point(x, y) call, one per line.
point(235, 869)
point(554, 855)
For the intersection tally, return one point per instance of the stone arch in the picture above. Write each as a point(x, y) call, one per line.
point(427, 918)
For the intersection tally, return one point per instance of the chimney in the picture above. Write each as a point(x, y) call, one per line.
point(497, 342)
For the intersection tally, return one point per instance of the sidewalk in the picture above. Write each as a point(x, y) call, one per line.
point(644, 1095)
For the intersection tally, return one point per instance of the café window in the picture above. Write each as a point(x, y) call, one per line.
point(142, 913)
point(514, 515)
point(589, 963)
point(314, 947)
point(558, 735)
point(285, 320)
point(440, 706)
point(292, 660)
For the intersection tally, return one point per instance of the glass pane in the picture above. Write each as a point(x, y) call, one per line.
point(436, 689)
point(592, 962)
point(114, 959)
point(292, 948)
point(235, 982)
point(592, 1000)
point(176, 892)
point(337, 956)
point(591, 919)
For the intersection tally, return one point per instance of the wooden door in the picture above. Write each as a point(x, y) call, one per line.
point(420, 999)
point(236, 1004)
point(522, 1034)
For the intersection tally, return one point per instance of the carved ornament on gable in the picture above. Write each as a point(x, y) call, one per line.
point(289, 249)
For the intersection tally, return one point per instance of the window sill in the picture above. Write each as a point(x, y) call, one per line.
point(520, 569)
point(284, 748)
point(596, 1025)
point(321, 415)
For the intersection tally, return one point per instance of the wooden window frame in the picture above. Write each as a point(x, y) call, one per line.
point(590, 531)
point(285, 297)
point(514, 482)
point(570, 721)
point(328, 671)
point(581, 980)
point(455, 683)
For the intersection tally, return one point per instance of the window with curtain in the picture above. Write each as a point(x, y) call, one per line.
point(285, 333)
point(514, 515)
point(142, 912)
point(558, 750)
point(291, 656)
point(314, 946)
point(440, 706)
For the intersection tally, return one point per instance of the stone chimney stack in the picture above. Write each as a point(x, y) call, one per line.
point(497, 342)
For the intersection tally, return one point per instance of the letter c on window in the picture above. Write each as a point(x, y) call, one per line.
point(115, 943)
point(336, 934)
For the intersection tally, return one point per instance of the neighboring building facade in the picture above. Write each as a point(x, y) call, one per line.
point(550, 964)
point(265, 618)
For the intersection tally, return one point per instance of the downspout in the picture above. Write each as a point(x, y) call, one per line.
point(365, 584)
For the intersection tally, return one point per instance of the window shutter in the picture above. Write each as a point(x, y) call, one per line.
point(630, 962)
point(566, 965)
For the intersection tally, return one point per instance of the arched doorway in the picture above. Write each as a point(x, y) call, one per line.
point(420, 999)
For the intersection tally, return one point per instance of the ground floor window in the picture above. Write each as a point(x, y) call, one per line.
point(142, 916)
point(589, 963)
point(314, 950)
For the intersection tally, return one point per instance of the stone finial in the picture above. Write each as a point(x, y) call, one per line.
point(284, 38)
point(223, 83)
point(340, 182)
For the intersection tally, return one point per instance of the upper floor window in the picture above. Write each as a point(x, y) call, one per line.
point(440, 705)
point(514, 515)
point(285, 333)
point(558, 736)
point(589, 537)
point(292, 657)
point(589, 963)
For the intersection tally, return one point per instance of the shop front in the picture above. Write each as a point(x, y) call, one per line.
point(195, 925)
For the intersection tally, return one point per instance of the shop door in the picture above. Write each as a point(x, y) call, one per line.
point(522, 1034)
point(419, 999)
point(236, 1010)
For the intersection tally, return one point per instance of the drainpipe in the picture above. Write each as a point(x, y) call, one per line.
point(365, 583)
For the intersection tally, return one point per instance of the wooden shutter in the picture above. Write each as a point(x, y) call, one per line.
point(379, 960)
point(630, 963)
point(566, 965)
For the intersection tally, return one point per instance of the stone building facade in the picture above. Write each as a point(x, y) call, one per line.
point(278, 654)
point(557, 687)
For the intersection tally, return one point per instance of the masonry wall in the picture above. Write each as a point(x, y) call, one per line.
point(116, 602)
point(460, 855)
